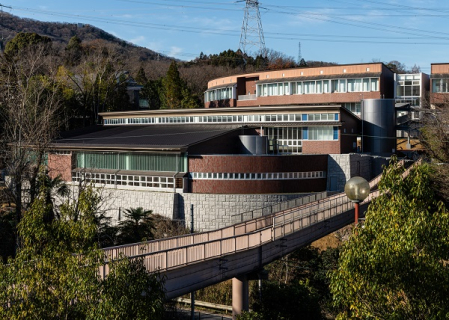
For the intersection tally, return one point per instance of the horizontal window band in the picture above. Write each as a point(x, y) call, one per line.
point(258, 176)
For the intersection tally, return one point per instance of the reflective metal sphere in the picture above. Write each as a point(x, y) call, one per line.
point(357, 189)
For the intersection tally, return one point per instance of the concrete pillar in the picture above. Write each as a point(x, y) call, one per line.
point(240, 295)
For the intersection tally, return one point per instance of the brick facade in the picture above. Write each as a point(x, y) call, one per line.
point(257, 164)
point(321, 147)
point(60, 164)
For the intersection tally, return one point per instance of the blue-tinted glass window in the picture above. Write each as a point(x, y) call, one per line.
point(336, 117)
point(335, 133)
point(304, 117)
point(305, 133)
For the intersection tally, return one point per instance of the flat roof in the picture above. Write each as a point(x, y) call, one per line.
point(156, 138)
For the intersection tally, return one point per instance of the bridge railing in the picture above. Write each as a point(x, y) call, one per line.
point(278, 207)
point(272, 228)
point(185, 240)
point(293, 221)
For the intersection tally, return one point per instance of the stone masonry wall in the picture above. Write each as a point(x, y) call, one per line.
point(211, 211)
point(342, 167)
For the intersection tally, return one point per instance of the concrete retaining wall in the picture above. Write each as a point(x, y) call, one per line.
point(211, 211)
point(342, 167)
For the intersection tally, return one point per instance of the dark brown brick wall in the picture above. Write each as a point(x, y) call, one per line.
point(439, 98)
point(258, 186)
point(257, 164)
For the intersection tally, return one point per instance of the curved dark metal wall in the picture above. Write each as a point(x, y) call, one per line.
point(379, 121)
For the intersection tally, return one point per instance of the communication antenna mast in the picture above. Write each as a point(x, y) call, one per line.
point(299, 52)
point(252, 32)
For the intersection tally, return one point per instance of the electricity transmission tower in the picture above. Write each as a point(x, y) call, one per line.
point(252, 32)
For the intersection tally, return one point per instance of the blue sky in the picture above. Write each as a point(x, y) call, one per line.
point(342, 31)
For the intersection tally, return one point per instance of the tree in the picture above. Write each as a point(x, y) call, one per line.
point(278, 60)
point(395, 267)
point(415, 69)
point(281, 301)
point(137, 226)
point(397, 67)
point(172, 88)
point(29, 104)
point(73, 51)
point(24, 40)
point(434, 136)
point(55, 272)
point(141, 77)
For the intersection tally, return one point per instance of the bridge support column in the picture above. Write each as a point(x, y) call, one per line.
point(240, 295)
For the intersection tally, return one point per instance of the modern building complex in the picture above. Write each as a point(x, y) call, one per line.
point(275, 132)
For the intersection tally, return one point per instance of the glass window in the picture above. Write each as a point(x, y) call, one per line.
point(365, 84)
point(293, 85)
point(319, 87)
point(326, 86)
point(335, 133)
point(351, 85)
point(374, 84)
point(305, 133)
point(334, 86)
point(342, 85)
point(299, 88)
point(304, 117)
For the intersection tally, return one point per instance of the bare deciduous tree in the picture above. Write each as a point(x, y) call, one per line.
point(29, 102)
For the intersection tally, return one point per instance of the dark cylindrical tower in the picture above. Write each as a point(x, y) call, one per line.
point(379, 121)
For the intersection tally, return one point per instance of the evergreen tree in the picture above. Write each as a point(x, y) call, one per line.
point(24, 40)
point(395, 266)
point(73, 52)
point(141, 77)
point(172, 88)
point(55, 274)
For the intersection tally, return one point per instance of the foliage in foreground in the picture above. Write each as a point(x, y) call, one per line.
point(55, 272)
point(395, 267)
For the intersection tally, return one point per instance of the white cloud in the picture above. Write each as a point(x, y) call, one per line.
point(175, 52)
point(138, 40)
point(155, 46)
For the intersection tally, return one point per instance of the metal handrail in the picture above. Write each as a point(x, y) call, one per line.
point(280, 225)
point(281, 206)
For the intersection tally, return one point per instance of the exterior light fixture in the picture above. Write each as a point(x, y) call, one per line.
point(357, 189)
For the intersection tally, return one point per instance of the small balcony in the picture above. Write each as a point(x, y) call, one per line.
point(247, 97)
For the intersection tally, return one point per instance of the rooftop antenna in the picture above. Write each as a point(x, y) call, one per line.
point(252, 31)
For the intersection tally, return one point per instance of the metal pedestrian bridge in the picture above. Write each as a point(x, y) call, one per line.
point(240, 251)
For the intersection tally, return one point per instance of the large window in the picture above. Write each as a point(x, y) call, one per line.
point(408, 86)
point(318, 86)
point(354, 107)
point(440, 85)
point(131, 161)
point(322, 133)
point(219, 94)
